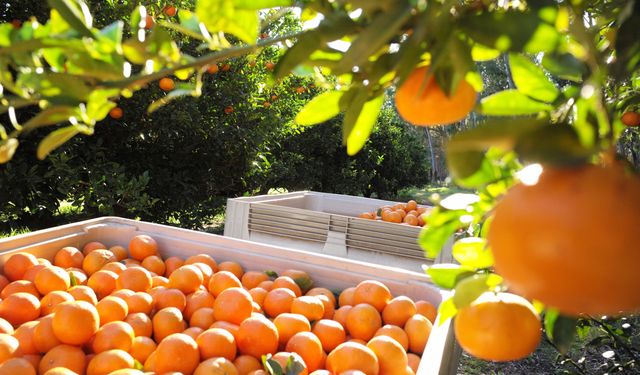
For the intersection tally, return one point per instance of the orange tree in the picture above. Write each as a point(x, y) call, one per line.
point(561, 237)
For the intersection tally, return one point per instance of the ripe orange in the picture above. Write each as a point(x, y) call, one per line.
point(233, 267)
point(187, 279)
point(309, 306)
point(503, 327)
point(346, 297)
point(631, 118)
point(414, 362)
point(252, 279)
point(309, 347)
point(25, 334)
point(17, 264)
point(372, 292)
point(278, 301)
point(6, 327)
point(421, 101)
point(67, 356)
point(202, 318)
point(19, 308)
point(289, 283)
point(203, 258)
point(20, 286)
point(166, 84)
point(233, 305)
point(48, 302)
point(269, 65)
point(91, 246)
point(194, 332)
point(114, 267)
point(216, 342)
point(109, 361)
point(258, 295)
point(167, 322)
point(257, 336)
point(169, 298)
point(172, 264)
point(223, 280)
point(228, 109)
point(137, 279)
point(141, 324)
point(116, 113)
point(68, 257)
point(149, 22)
point(83, 293)
point(246, 363)
point(266, 104)
point(289, 324)
point(226, 67)
point(103, 282)
point(398, 310)
point(352, 356)
point(330, 333)
point(213, 69)
point(113, 335)
point(139, 302)
point(112, 309)
point(96, 259)
point(395, 333)
point(119, 251)
point(59, 371)
point(197, 300)
point(142, 246)
point(427, 309)
point(391, 356)
point(76, 322)
point(17, 366)
point(9, 347)
point(216, 365)
point(177, 352)
point(341, 314)
point(363, 320)
point(170, 10)
point(154, 264)
point(418, 329)
point(44, 338)
point(141, 348)
point(542, 248)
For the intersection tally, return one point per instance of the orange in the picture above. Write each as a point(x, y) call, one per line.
point(91, 246)
point(141, 324)
point(194, 332)
point(372, 292)
point(170, 10)
point(392, 216)
point(257, 336)
point(289, 324)
point(67, 356)
point(631, 118)
point(17, 366)
point(159, 281)
point(363, 320)
point(202, 318)
point(391, 356)
point(113, 335)
point(269, 65)
point(68, 257)
point(414, 362)
point(169, 298)
point(309, 306)
point(252, 279)
point(172, 264)
point(150, 363)
point(107, 362)
point(233, 267)
point(20, 286)
point(141, 348)
point(309, 347)
point(33, 359)
point(123, 294)
point(119, 251)
point(136, 278)
point(278, 301)
point(114, 267)
point(418, 329)
point(139, 302)
point(167, 322)
point(83, 293)
point(9, 347)
point(130, 262)
point(213, 69)
point(52, 278)
point(203, 258)
point(289, 283)
point(230, 327)
point(228, 109)
point(395, 333)
point(427, 309)
point(111, 309)
point(323, 292)
point(197, 300)
point(44, 339)
point(233, 305)
point(25, 335)
point(102, 282)
point(411, 220)
point(346, 297)
point(502, 327)
point(258, 295)
point(59, 371)
point(411, 205)
point(76, 322)
point(284, 357)
point(154, 264)
point(177, 352)
point(17, 264)
point(142, 246)
point(187, 279)
point(167, 84)
point(246, 363)
point(222, 280)
point(218, 366)
point(542, 255)
point(352, 356)
point(341, 314)
point(398, 310)
point(19, 308)
point(48, 302)
point(6, 327)
point(301, 278)
point(330, 333)
point(216, 342)
point(79, 275)
point(96, 259)
point(323, 372)
point(206, 271)
point(3, 281)
point(421, 101)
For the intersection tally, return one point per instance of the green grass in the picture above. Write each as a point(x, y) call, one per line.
point(426, 194)
point(14, 232)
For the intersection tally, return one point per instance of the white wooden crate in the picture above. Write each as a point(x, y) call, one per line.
point(441, 354)
point(328, 224)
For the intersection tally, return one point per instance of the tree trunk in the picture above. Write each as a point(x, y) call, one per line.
point(434, 165)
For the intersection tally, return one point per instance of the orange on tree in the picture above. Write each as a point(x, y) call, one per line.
point(170, 10)
point(213, 69)
point(116, 113)
point(226, 67)
point(421, 101)
point(542, 248)
point(630, 118)
point(228, 109)
point(149, 22)
point(498, 327)
point(166, 84)
point(269, 65)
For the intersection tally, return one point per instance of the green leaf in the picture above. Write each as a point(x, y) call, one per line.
point(463, 164)
point(363, 126)
point(76, 14)
point(58, 88)
point(560, 329)
point(294, 367)
point(498, 132)
point(304, 283)
point(565, 66)
point(553, 144)
point(447, 275)
point(433, 237)
point(50, 116)
point(5, 34)
point(473, 252)
point(271, 366)
point(55, 139)
point(470, 288)
point(262, 4)
point(531, 80)
point(511, 103)
point(483, 53)
point(320, 109)
point(229, 17)
point(272, 274)
point(73, 280)
point(7, 149)
point(446, 310)
point(171, 96)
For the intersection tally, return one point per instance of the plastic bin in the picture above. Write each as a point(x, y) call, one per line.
point(328, 224)
point(441, 354)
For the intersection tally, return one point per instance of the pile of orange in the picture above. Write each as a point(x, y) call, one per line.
point(116, 310)
point(402, 213)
